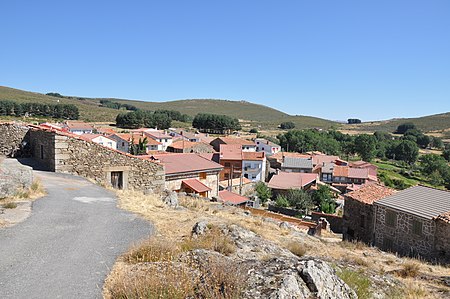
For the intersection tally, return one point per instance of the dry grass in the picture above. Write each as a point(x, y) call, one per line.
point(213, 239)
point(409, 269)
point(152, 250)
point(177, 225)
point(35, 191)
point(296, 248)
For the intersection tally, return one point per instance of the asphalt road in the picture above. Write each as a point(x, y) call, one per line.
point(68, 245)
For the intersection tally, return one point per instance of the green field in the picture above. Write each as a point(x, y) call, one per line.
point(254, 115)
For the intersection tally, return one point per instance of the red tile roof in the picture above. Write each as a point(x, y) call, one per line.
point(236, 140)
point(253, 156)
point(230, 152)
point(196, 185)
point(340, 171)
point(358, 173)
point(370, 193)
point(291, 180)
point(320, 159)
point(232, 198)
point(279, 156)
point(135, 136)
point(181, 163)
point(90, 137)
point(78, 125)
point(445, 217)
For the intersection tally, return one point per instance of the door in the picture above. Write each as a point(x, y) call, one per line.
point(117, 179)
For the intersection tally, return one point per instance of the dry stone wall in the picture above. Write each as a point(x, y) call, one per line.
point(404, 240)
point(11, 137)
point(442, 240)
point(66, 154)
point(358, 221)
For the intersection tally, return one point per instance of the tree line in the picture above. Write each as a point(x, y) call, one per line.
point(215, 123)
point(161, 119)
point(116, 105)
point(64, 111)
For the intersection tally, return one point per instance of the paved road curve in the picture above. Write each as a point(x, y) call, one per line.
point(67, 246)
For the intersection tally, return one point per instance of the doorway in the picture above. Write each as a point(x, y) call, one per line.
point(117, 179)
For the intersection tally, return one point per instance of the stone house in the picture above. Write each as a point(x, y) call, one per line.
point(358, 219)
point(414, 222)
point(189, 173)
point(185, 146)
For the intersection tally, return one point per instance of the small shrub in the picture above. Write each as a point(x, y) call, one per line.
point(214, 239)
point(152, 250)
point(296, 249)
point(10, 205)
point(357, 281)
point(409, 269)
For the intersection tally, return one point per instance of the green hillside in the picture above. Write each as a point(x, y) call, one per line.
point(252, 114)
point(439, 123)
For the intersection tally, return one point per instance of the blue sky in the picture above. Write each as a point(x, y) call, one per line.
point(332, 59)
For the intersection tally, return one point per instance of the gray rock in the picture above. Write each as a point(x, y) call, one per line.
point(284, 225)
point(322, 280)
point(171, 199)
point(200, 228)
point(14, 177)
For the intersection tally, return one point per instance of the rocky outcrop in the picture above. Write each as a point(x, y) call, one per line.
point(14, 177)
point(274, 272)
point(171, 198)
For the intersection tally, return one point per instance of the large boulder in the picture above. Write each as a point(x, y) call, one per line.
point(171, 199)
point(14, 177)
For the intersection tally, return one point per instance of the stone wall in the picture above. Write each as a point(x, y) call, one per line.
point(442, 240)
point(401, 238)
point(62, 153)
point(11, 137)
point(358, 221)
point(336, 222)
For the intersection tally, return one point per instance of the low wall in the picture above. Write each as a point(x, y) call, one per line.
point(11, 137)
point(336, 222)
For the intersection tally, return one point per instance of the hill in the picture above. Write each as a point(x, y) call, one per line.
point(250, 113)
point(437, 123)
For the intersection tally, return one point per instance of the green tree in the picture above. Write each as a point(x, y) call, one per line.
point(401, 129)
point(436, 142)
point(281, 201)
point(433, 163)
point(299, 199)
point(140, 148)
point(446, 154)
point(365, 146)
point(406, 151)
point(287, 125)
point(253, 131)
point(263, 191)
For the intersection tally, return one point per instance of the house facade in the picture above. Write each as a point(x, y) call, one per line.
point(185, 146)
point(266, 146)
point(100, 139)
point(254, 166)
point(190, 173)
point(414, 222)
point(78, 127)
point(358, 218)
point(245, 144)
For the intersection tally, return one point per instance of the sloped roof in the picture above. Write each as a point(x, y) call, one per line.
point(292, 162)
point(253, 156)
point(421, 201)
point(341, 171)
point(232, 198)
point(320, 159)
point(358, 173)
point(265, 141)
point(362, 164)
point(180, 163)
point(231, 152)
point(280, 155)
point(370, 193)
point(236, 140)
point(291, 180)
point(78, 125)
point(196, 185)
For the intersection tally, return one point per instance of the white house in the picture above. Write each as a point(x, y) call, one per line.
point(100, 139)
point(254, 166)
point(78, 127)
point(263, 145)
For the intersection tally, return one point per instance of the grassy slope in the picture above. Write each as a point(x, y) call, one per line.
point(259, 114)
point(437, 122)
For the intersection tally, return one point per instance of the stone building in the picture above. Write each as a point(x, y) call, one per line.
point(68, 153)
point(358, 212)
point(190, 173)
point(414, 222)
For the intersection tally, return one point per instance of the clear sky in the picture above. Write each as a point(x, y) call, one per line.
point(332, 59)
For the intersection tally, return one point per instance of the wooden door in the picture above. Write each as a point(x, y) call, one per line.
point(117, 179)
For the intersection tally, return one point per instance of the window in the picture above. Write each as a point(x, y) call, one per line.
point(417, 227)
point(227, 176)
point(123, 143)
point(391, 218)
point(227, 164)
point(42, 151)
point(202, 175)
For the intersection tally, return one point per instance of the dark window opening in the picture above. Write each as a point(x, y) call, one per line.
point(117, 179)
point(42, 151)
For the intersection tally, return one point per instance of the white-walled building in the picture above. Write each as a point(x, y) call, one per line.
point(263, 145)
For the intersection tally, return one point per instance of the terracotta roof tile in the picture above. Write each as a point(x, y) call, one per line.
point(237, 140)
point(340, 171)
point(78, 125)
point(196, 185)
point(291, 180)
point(370, 193)
point(253, 156)
point(180, 163)
point(232, 198)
